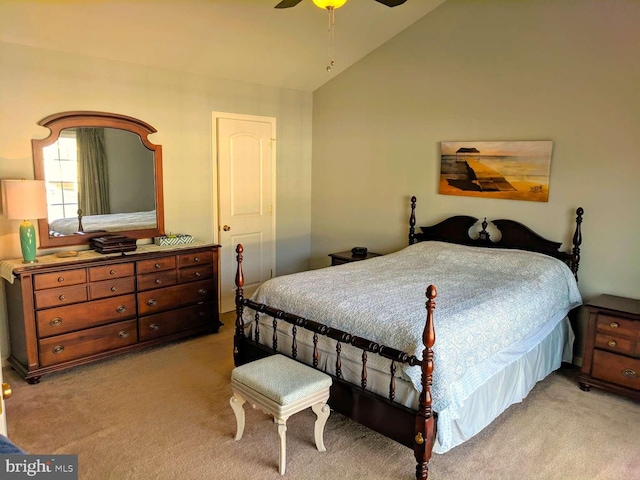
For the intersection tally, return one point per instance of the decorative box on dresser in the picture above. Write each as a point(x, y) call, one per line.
point(67, 312)
point(611, 356)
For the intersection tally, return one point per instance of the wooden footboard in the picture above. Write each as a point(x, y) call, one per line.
point(415, 429)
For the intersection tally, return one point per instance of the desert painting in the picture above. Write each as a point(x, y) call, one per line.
point(516, 170)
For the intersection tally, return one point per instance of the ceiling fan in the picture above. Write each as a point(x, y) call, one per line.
point(334, 3)
point(330, 6)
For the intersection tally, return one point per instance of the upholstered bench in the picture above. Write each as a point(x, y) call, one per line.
point(280, 386)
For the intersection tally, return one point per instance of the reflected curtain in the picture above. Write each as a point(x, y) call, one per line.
point(93, 174)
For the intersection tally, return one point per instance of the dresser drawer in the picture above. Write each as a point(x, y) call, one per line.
point(616, 369)
point(617, 326)
point(120, 270)
point(191, 274)
point(191, 259)
point(167, 323)
point(156, 280)
point(84, 343)
point(54, 321)
point(161, 299)
point(111, 288)
point(155, 265)
point(43, 281)
point(60, 296)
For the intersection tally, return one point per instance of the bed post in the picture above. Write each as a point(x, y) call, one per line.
point(425, 422)
point(577, 241)
point(412, 221)
point(237, 339)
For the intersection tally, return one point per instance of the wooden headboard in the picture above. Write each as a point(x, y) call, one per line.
point(514, 235)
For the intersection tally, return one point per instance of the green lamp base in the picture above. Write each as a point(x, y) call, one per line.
point(28, 242)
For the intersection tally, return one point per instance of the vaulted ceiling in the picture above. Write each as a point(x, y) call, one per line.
point(244, 40)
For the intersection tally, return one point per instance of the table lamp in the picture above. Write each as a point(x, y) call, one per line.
point(25, 200)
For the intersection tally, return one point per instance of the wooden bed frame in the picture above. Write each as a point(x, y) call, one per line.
point(414, 428)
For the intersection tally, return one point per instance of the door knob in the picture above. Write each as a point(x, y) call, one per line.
point(226, 228)
point(6, 391)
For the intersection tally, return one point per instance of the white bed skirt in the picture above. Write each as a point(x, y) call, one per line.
point(531, 361)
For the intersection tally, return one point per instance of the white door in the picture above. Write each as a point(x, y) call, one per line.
point(245, 147)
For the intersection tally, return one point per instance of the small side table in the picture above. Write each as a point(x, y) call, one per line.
point(348, 257)
point(611, 356)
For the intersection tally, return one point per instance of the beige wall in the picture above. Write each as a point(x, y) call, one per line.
point(566, 71)
point(35, 83)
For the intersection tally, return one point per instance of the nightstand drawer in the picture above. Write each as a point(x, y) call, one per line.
point(617, 326)
point(617, 369)
point(616, 344)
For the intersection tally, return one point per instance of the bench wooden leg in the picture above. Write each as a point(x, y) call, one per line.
point(282, 432)
point(322, 411)
point(237, 403)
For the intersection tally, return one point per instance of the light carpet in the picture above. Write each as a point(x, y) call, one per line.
point(163, 413)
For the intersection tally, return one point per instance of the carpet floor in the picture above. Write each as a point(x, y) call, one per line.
point(163, 413)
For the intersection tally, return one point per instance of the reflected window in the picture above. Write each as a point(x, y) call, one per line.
point(61, 174)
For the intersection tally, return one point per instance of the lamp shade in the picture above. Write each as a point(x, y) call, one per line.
point(24, 199)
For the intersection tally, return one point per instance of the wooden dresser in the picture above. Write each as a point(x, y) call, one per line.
point(611, 356)
point(67, 313)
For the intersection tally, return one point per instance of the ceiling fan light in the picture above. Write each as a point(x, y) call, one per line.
point(329, 3)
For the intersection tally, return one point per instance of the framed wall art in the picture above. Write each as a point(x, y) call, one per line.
point(516, 170)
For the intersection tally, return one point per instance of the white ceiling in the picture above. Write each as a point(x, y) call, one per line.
point(245, 40)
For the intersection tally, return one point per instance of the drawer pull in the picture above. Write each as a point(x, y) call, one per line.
point(203, 291)
point(60, 279)
point(630, 373)
point(114, 289)
point(197, 274)
point(614, 324)
point(55, 322)
point(123, 334)
point(196, 259)
point(154, 326)
point(158, 281)
point(121, 309)
point(62, 297)
point(112, 272)
point(58, 349)
point(151, 302)
point(612, 343)
point(157, 265)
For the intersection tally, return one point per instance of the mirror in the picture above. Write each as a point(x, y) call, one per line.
point(102, 175)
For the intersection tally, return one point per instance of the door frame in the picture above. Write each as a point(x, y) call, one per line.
point(215, 115)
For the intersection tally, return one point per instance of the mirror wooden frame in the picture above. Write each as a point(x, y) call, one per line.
point(58, 122)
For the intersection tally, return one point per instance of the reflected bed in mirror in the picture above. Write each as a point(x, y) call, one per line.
point(102, 175)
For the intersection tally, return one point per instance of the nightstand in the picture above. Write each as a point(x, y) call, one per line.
point(348, 257)
point(611, 355)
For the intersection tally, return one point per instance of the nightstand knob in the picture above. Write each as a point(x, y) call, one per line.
point(630, 373)
point(614, 324)
point(612, 343)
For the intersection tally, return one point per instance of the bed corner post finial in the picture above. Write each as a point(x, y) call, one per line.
point(412, 221)
point(577, 241)
point(425, 421)
point(239, 306)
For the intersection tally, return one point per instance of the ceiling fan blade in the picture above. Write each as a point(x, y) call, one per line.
point(287, 3)
point(390, 3)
